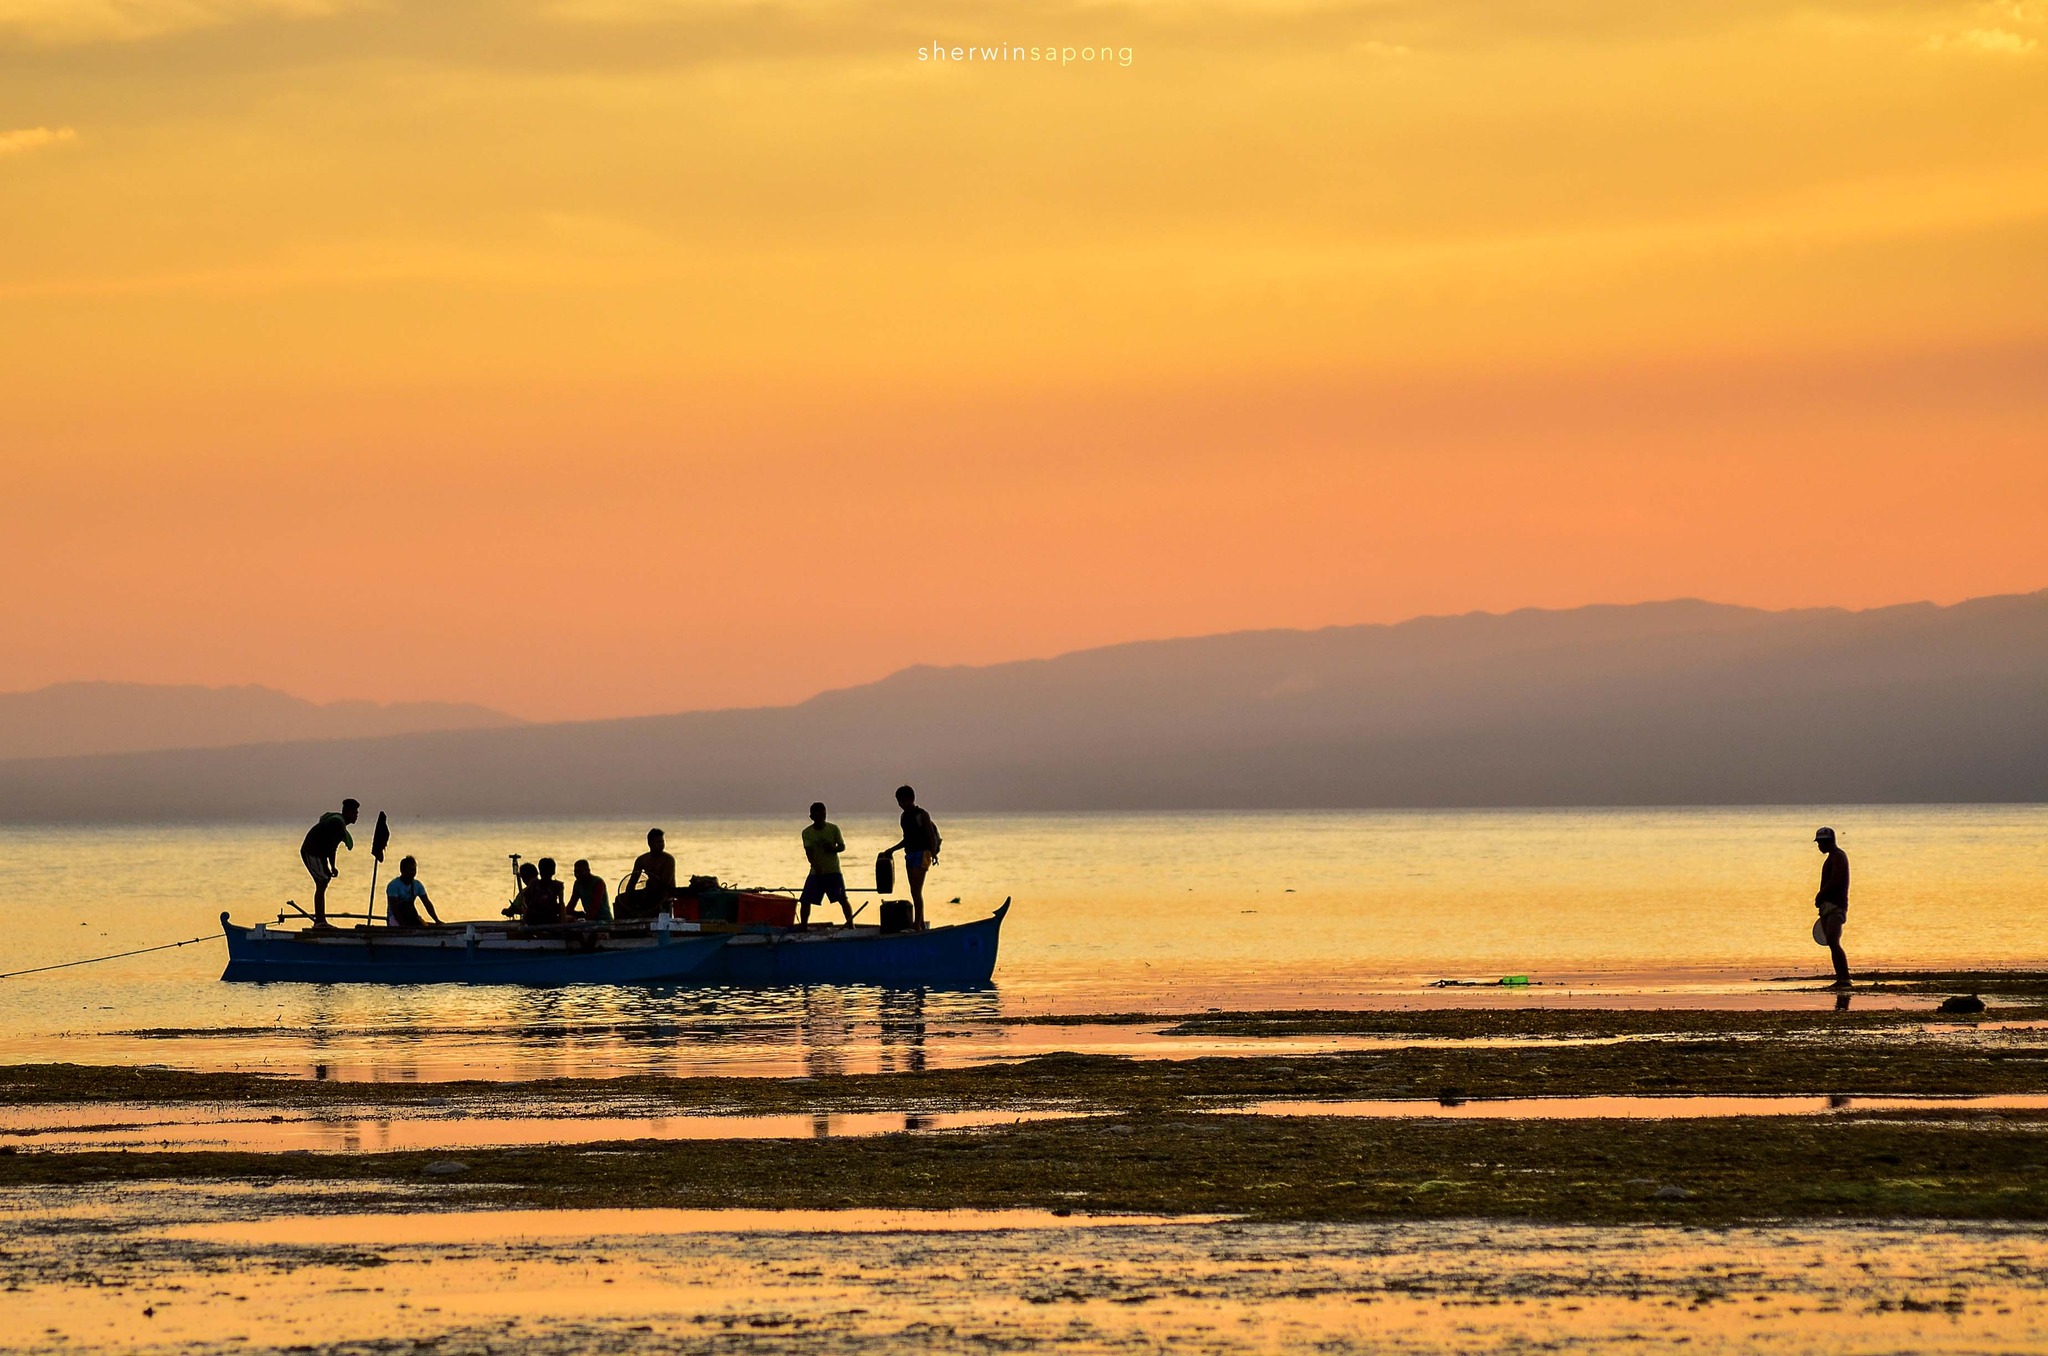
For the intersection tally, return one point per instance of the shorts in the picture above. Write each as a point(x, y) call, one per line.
point(318, 868)
point(916, 861)
point(1831, 921)
point(822, 885)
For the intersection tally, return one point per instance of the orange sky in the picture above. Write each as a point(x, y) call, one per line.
point(587, 357)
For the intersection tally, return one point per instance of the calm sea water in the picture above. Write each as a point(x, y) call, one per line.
point(1113, 913)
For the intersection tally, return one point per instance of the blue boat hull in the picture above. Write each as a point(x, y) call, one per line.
point(962, 956)
point(356, 958)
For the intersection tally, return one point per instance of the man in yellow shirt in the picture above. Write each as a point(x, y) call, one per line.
point(822, 845)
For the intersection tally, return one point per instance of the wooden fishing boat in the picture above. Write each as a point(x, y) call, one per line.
point(664, 951)
point(957, 956)
point(470, 953)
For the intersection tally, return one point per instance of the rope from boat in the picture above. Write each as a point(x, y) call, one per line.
point(95, 960)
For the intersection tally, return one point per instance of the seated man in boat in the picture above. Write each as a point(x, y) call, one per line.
point(547, 908)
point(587, 898)
point(529, 892)
point(403, 897)
point(317, 851)
point(822, 845)
point(658, 869)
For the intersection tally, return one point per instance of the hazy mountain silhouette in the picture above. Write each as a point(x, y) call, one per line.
point(87, 718)
point(1661, 703)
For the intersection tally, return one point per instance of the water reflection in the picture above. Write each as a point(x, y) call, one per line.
point(824, 1032)
point(814, 1031)
point(902, 1030)
point(125, 1128)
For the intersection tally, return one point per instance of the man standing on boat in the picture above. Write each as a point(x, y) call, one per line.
point(822, 846)
point(318, 849)
point(920, 844)
point(658, 869)
point(1833, 901)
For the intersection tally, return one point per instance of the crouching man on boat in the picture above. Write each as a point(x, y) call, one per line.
point(822, 845)
point(403, 897)
point(317, 851)
point(658, 869)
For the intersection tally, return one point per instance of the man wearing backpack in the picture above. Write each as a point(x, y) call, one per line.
point(920, 844)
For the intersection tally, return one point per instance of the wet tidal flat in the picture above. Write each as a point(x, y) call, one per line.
point(1584, 1117)
point(1581, 1180)
point(214, 1268)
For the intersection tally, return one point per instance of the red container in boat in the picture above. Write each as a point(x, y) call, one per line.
point(773, 910)
point(684, 908)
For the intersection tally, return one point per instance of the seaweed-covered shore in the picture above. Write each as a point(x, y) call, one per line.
point(1982, 1166)
point(1149, 1135)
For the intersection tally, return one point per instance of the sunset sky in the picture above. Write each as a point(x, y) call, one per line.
point(594, 357)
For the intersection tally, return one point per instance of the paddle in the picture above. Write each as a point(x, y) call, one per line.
point(379, 840)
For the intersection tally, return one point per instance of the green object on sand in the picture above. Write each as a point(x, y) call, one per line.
point(1515, 981)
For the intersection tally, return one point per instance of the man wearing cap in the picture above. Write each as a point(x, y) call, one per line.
point(318, 849)
point(1833, 901)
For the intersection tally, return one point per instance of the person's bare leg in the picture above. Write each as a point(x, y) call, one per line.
point(916, 874)
point(1841, 959)
point(319, 903)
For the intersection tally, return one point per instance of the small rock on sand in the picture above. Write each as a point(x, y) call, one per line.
point(1671, 1193)
point(1969, 1004)
point(446, 1167)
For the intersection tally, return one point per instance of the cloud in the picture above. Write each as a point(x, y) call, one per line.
point(1991, 41)
point(2020, 11)
point(67, 23)
point(25, 139)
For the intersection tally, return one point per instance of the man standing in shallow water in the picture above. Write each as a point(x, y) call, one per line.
point(1833, 901)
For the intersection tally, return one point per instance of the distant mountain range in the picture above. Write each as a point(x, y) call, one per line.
point(68, 719)
point(1655, 704)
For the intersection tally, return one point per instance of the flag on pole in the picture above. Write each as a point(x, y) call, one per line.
point(382, 838)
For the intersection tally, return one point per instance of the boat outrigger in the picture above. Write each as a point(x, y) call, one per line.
point(665, 950)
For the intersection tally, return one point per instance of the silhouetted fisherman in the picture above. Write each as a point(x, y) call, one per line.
point(322, 841)
point(587, 897)
point(920, 844)
point(822, 845)
point(530, 893)
point(403, 896)
point(1833, 901)
point(658, 869)
point(548, 902)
